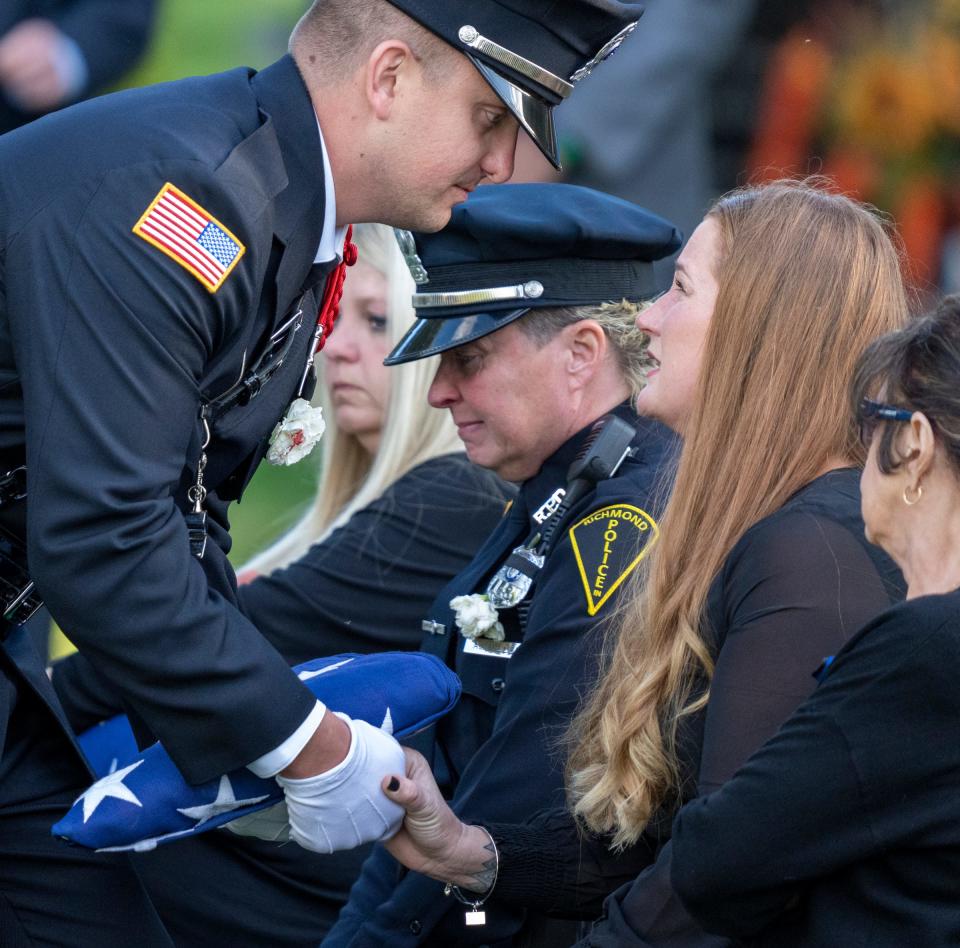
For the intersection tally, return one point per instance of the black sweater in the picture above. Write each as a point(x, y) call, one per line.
point(845, 828)
point(365, 588)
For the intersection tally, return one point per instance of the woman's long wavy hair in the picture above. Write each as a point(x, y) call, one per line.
point(807, 278)
point(413, 432)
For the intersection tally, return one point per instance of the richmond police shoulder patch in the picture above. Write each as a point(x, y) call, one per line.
point(608, 544)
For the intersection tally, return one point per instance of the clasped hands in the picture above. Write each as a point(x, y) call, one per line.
point(364, 799)
point(341, 806)
point(433, 840)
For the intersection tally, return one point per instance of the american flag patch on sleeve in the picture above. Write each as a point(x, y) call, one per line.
point(191, 236)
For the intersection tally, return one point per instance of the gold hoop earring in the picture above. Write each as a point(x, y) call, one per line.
point(916, 499)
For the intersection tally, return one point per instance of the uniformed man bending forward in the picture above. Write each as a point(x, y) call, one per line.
point(530, 294)
point(163, 254)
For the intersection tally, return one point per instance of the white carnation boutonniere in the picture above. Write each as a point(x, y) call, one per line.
point(296, 433)
point(476, 617)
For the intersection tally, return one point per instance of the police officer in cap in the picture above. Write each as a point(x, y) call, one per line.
point(531, 294)
point(169, 259)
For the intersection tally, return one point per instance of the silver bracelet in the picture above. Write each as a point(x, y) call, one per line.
point(476, 916)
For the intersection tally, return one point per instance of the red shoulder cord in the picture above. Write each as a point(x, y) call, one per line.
point(330, 306)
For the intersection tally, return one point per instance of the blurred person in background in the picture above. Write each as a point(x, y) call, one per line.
point(642, 129)
point(398, 511)
point(844, 829)
point(762, 569)
point(55, 52)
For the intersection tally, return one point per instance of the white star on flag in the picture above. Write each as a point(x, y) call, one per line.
point(307, 675)
point(225, 802)
point(387, 722)
point(109, 786)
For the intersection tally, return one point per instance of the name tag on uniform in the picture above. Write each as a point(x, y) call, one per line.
point(489, 648)
point(550, 506)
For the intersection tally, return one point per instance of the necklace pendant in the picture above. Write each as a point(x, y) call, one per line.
point(475, 917)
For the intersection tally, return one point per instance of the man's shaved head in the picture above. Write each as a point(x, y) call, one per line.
point(334, 36)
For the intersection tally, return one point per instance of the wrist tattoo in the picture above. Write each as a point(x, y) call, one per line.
point(481, 885)
point(483, 879)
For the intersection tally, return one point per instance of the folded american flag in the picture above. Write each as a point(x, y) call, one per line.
point(143, 800)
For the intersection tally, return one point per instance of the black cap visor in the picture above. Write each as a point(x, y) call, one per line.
point(427, 337)
point(533, 113)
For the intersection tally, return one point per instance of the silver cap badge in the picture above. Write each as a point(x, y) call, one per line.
point(408, 247)
point(605, 52)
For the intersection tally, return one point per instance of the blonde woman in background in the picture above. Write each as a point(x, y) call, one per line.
point(398, 511)
point(379, 424)
point(762, 569)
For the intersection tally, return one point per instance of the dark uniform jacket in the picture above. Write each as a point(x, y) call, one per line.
point(497, 748)
point(111, 35)
point(108, 348)
point(364, 588)
point(845, 828)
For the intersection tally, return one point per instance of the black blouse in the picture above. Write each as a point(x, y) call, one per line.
point(795, 587)
point(844, 829)
point(368, 585)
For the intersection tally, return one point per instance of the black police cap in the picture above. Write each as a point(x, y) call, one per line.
point(532, 52)
point(510, 248)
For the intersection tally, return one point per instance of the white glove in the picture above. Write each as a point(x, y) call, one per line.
point(345, 807)
point(271, 824)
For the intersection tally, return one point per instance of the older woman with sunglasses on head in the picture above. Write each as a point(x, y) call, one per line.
point(761, 571)
point(845, 828)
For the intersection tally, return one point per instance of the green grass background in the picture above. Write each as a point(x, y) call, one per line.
point(196, 37)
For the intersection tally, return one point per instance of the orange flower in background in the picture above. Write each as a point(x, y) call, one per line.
point(796, 86)
point(873, 100)
point(919, 217)
point(855, 171)
point(886, 101)
point(942, 54)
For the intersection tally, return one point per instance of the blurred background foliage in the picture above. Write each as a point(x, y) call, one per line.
point(195, 38)
point(869, 92)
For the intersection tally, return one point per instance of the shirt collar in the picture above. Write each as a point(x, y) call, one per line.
point(332, 237)
point(553, 474)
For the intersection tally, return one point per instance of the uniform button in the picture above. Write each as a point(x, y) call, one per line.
point(497, 685)
point(415, 927)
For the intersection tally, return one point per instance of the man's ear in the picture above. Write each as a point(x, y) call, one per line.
point(586, 346)
point(387, 64)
